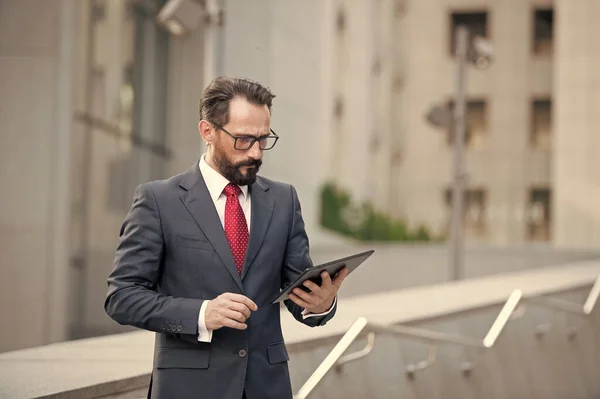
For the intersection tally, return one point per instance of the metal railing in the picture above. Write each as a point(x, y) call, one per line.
point(336, 358)
point(567, 307)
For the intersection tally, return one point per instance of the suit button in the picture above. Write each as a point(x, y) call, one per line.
point(242, 353)
point(164, 327)
point(179, 328)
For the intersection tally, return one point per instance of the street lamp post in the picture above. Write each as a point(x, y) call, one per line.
point(458, 170)
point(478, 52)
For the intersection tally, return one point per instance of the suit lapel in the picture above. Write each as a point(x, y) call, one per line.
point(199, 204)
point(262, 210)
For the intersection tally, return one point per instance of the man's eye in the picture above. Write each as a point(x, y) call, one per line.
point(245, 139)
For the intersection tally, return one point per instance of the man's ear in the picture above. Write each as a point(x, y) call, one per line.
point(207, 131)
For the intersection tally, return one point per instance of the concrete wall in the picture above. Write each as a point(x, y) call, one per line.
point(187, 62)
point(353, 33)
point(36, 60)
point(576, 168)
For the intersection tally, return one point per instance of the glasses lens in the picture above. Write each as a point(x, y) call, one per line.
point(244, 142)
point(266, 143)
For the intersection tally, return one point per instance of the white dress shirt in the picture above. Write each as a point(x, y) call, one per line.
point(216, 183)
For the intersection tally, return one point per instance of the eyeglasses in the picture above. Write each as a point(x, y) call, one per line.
point(246, 141)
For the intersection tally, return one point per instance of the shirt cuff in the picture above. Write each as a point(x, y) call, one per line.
point(204, 334)
point(306, 314)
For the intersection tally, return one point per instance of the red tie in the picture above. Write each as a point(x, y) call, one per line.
point(236, 228)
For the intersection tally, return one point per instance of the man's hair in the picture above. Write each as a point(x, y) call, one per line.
point(214, 103)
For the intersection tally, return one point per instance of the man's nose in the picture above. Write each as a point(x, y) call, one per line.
point(255, 152)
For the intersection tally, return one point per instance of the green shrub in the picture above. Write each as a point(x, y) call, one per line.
point(363, 222)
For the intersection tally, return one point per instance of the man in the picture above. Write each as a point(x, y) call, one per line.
point(202, 253)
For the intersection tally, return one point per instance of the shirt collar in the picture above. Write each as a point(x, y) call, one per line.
point(215, 182)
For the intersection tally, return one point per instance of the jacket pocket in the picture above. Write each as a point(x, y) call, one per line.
point(277, 353)
point(193, 242)
point(181, 359)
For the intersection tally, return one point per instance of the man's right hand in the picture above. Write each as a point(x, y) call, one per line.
point(228, 310)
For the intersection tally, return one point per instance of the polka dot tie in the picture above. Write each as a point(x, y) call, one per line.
point(236, 228)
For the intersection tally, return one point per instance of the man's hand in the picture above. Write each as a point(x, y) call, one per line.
point(320, 299)
point(228, 310)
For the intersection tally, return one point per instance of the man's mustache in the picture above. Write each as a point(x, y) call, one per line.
point(252, 162)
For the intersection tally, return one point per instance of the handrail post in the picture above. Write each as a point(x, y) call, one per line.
point(341, 347)
point(558, 304)
point(592, 298)
point(412, 368)
point(359, 354)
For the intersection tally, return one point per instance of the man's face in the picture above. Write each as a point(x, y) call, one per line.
point(245, 119)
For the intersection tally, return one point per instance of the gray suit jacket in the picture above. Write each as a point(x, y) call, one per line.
point(173, 255)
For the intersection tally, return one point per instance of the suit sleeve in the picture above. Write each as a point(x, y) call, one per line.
point(296, 260)
point(132, 298)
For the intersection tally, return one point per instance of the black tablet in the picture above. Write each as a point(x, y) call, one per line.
point(314, 273)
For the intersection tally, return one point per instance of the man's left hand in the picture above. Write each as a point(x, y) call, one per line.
point(320, 299)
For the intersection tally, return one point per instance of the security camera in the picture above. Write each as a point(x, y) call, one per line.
point(439, 116)
point(180, 16)
point(481, 52)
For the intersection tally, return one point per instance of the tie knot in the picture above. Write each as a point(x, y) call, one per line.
point(232, 190)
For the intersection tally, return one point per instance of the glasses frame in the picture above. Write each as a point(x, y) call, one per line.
point(254, 139)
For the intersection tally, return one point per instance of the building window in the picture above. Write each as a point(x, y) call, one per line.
point(476, 122)
point(376, 67)
point(543, 32)
point(399, 8)
point(541, 123)
point(475, 206)
point(539, 214)
point(476, 22)
point(340, 21)
point(338, 108)
point(397, 83)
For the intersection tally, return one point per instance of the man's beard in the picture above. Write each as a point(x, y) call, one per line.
point(232, 171)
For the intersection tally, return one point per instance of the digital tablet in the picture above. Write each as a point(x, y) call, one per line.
point(314, 273)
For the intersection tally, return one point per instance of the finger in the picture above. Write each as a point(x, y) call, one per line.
point(233, 324)
point(327, 285)
point(240, 307)
point(305, 296)
point(242, 299)
point(312, 286)
point(234, 315)
point(326, 280)
point(340, 277)
point(294, 298)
